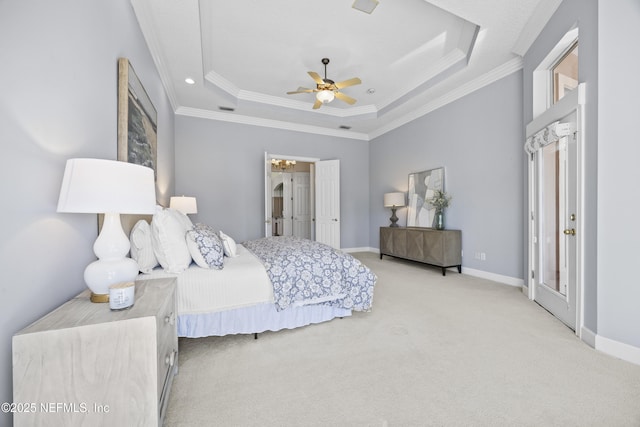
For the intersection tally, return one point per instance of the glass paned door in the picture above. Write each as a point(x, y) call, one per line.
point(556, 179)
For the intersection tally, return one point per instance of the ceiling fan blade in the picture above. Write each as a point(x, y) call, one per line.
point(351, 82)
point(317, 104)
point(342, 97)
point(316, 77)
point(301, 90)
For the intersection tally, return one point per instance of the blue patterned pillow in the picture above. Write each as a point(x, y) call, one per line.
point(206, 247)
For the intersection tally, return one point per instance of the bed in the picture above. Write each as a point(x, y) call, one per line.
point(265, 284)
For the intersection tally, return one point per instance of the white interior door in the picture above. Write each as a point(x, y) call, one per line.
point(327, 189)
point(287, 208)
point(301, 205)
point(268, 207)
point(312, 197)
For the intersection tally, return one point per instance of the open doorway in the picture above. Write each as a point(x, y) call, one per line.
point(291, 202)
point(302, 198)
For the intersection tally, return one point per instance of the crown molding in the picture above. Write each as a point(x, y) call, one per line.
point(494, 75)
point(275, 124)
point(145, 21)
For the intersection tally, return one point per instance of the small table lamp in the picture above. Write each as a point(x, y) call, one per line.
point(109, 187)
point(186, 205)
point(394, 201)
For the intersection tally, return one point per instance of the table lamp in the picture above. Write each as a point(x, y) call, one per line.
point(110, 187)
point(394, 201)
point(184, 204)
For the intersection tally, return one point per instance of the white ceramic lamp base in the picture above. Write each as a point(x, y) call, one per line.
point(112, 266)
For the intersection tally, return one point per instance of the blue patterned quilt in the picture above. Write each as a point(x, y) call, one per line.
point(307, 272)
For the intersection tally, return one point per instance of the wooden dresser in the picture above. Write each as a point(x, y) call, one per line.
point(83, 364)
point(442, 248)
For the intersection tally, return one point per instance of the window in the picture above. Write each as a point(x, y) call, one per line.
point(565, 73)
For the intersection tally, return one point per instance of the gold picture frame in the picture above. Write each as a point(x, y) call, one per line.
point(137, 120)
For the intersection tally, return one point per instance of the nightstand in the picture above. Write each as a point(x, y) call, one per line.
point(83, 364)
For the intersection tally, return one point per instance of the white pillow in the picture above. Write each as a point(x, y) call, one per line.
point(205, 247)
point(142, 247)
point(229, 245)
point(168, 233)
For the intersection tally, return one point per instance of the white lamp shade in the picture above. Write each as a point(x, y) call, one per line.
point(102, 186)
point(393, 199)
point(186, 205)
point(110, 187)
point(325, 96)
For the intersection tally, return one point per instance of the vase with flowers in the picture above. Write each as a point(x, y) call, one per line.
point(439, 202)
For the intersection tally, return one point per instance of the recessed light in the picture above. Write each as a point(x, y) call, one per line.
point(189, 81)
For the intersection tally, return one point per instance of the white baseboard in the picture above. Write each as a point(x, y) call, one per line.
point(511, 281)
point(618, 349)
point(588, 336)
point(363, 249)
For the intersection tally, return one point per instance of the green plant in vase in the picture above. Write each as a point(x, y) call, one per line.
point(439, 202)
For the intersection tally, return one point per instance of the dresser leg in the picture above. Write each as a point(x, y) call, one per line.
point(460, 269)
point(444, 271)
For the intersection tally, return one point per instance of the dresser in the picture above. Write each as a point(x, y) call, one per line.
point(442, 248)
point(83, 364)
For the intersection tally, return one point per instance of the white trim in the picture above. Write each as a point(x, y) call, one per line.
point(362, 249)
point(588, 336)
point(290, 157)
point(276, 124)
point(507, 280)
point(486, 79)
point(543, 74)
point(618, 349)
point(145, 21)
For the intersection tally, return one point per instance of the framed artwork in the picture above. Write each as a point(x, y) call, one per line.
point(422, 186)
point(137, 120)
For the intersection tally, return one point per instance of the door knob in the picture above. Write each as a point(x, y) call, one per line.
point(570, 232)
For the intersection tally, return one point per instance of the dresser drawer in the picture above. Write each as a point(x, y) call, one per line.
point(167, 343)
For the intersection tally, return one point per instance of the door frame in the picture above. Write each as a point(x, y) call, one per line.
point(267, 183)
point(574, 101)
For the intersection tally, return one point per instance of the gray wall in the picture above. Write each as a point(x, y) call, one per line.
point(618, 171)
point(58, 85)
point(222, 164)
point(478, 139)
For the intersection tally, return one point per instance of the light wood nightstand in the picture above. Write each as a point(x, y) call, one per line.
point(83, 364)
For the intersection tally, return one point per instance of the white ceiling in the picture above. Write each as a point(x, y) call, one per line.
point(414, 55)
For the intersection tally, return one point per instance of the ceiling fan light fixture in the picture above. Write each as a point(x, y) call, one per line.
point(325, 96)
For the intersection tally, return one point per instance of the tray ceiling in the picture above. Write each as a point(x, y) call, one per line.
point(412, 56)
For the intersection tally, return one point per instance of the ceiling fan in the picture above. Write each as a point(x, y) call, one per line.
point(326, 89)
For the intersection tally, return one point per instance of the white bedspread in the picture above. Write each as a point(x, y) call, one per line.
point(242, 282)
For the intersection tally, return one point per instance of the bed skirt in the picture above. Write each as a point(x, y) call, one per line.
point(255, 319)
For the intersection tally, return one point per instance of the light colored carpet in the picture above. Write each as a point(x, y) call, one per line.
point(434, 351)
